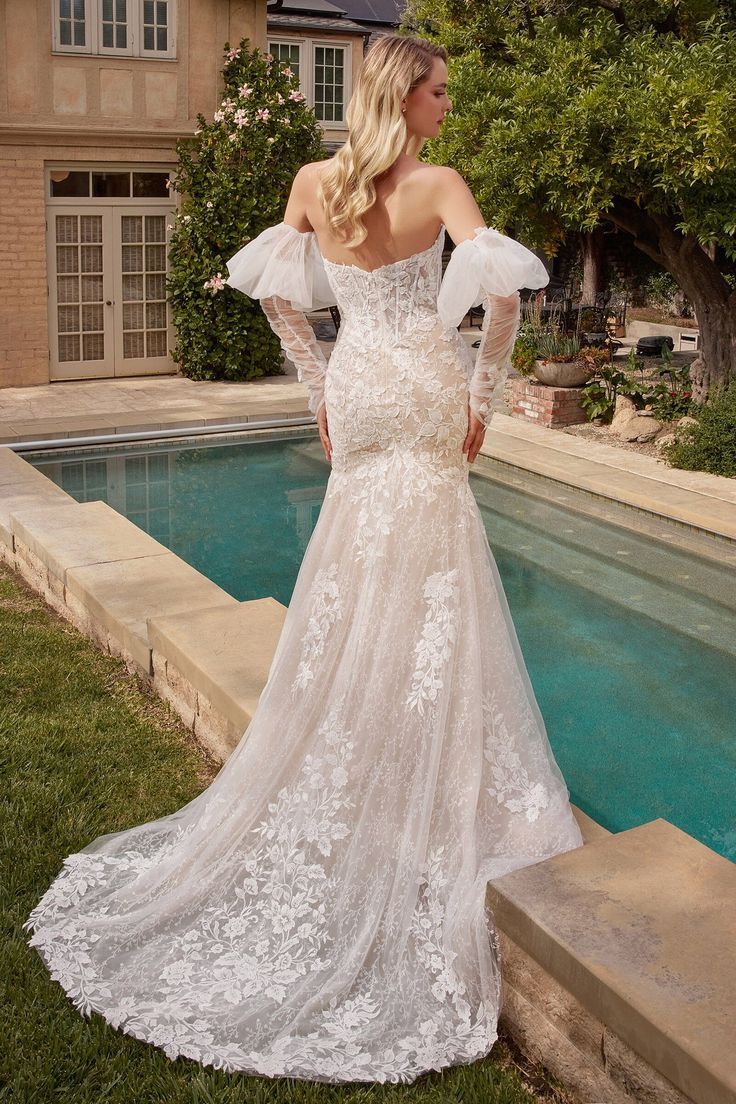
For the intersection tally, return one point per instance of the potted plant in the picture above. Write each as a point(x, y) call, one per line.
point(561, 361)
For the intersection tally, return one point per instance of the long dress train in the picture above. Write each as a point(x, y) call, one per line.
point(319, 910)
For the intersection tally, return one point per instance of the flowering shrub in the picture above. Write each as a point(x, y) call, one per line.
point(234, 176)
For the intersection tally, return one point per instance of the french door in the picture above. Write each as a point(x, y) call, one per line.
point(108, 314)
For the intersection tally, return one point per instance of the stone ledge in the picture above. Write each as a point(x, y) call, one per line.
point(706, 502)
point(13, 469)
point(22, 494)
point(75, 534)
point(122, 595)
point(636, 927)
point(220, 657)
point(552, 1028)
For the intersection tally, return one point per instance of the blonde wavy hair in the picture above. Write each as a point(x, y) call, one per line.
point(393, 67)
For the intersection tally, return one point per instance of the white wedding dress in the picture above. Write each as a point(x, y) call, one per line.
point(319, 910)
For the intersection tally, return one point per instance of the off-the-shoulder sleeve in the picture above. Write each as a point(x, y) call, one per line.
point(286, 262)
point(488, 263)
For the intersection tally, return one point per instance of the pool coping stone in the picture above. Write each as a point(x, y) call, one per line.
point(637, 951)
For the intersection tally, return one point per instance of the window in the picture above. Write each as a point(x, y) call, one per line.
point(105, 184)
point(134, 28)
point(323, 70)
point(329, 83)
point(288, 53)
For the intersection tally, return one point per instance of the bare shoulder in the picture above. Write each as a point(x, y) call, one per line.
point(303, 196)
point(448, 180)
point(454, 203)
point(311, 171)
point(439, 187)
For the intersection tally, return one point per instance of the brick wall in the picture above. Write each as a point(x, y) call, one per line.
point(24, 350)
point(554, 407)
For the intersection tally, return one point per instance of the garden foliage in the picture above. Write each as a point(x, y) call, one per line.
point(569, 114)
point(710, 445)
point(234, 176)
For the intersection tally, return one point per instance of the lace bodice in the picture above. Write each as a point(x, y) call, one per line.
point(390, 305)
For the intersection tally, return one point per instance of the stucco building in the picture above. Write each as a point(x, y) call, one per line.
point(93, 97)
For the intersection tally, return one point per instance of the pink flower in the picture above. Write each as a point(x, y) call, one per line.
point(269, 58)
point(244, 90)
point(280, 99)
point(217, 283)
point(263, 115)
point(240, 118)
point(231, 55)
point(288, 71)
point(295, 94)
point(218, 116)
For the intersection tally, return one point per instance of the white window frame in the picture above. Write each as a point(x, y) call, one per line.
point(93, 33)
point(307, 49)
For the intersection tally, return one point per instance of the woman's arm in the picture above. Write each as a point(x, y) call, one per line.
point(457, 208)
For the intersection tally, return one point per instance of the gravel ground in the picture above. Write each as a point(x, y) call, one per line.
point(605, 436)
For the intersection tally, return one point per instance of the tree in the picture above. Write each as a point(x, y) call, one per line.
point(571, 112)
point(234, 175)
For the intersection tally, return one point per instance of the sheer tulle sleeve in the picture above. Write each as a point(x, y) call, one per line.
point(283, 268)
point(487, 264)
point(489, 268)
point(286, 262)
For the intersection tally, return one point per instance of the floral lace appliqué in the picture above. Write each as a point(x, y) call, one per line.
point(513, 787)
point(438, 635)
point(325, 610)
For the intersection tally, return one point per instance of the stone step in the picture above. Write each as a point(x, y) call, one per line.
point(72, 534)
point(222, 655)
point(623, 950)
point(120, 596)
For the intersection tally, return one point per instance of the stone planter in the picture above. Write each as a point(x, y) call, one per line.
point(562, 373)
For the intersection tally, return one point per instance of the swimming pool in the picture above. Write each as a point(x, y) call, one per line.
point(630, 642)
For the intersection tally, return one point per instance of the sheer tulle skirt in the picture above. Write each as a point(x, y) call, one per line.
point(319, 910)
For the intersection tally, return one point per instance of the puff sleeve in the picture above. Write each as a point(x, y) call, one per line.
point(282, 267)
point(489, 268)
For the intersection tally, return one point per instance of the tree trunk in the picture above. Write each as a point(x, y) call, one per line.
point(715, 308)
point(698, 274)
point(594, 265)
point(716, 363)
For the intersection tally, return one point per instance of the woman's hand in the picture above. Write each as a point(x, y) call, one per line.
point(474, 439)
point(324, 435)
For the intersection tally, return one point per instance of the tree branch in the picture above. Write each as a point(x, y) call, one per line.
point(627, 216)
point(528, 19)
point(616, 10)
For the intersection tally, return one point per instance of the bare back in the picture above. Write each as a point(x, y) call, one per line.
point(413, 200)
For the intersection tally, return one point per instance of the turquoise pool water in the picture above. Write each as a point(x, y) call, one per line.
point(630, 644)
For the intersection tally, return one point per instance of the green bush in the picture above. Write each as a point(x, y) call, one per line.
point(234, 176)
point(524, 352)
point(709, 446)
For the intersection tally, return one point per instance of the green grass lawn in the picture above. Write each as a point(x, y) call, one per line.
point(86, 749)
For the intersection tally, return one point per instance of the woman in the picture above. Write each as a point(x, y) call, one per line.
point(319, 911)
